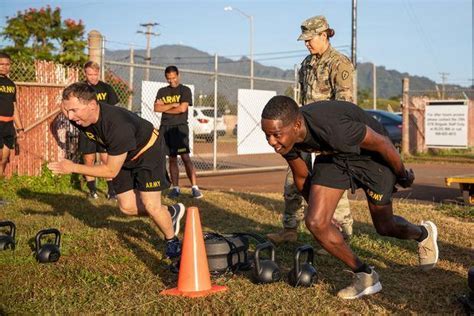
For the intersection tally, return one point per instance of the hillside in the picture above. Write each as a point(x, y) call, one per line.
point(389, 82)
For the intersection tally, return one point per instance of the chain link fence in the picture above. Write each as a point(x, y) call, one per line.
point(213, 117)
point(219, 124)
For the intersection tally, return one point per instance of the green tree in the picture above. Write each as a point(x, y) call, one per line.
point(41, 34)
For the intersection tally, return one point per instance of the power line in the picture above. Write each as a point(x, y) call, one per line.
point(148, 33)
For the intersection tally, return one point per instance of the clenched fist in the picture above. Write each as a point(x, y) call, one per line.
point(407, 180)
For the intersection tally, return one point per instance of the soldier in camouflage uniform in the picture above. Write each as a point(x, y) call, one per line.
point(325, 74)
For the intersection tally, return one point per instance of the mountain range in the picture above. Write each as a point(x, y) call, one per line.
point(389, 82)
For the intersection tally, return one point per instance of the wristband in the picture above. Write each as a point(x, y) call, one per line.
point(20, 130)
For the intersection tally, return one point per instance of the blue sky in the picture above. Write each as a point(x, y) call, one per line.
point(421, 37)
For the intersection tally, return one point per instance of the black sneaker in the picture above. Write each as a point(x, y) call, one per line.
point(174, 193)
point(196, 193)
point(177, 212)
point(111, 196)
point(173, 248)
point(93, 195)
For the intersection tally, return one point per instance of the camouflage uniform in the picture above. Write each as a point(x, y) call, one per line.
point(322, 77)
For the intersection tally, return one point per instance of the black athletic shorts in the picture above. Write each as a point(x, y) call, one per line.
point(146, 173)
point(176, 139)
point(86, 146)
point(344, 172)
point(7, 135)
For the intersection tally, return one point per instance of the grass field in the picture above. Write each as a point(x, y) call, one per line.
point(111, 263)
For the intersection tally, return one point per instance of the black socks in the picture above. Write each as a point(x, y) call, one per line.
point(91, 186)
point(110, 187)
point(363, 268)
point(171, 239)
point(424, 234)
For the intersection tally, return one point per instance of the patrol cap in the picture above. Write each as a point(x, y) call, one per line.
point(312, 27)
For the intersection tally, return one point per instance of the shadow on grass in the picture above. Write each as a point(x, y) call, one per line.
point(100, 216)
point(404, 285)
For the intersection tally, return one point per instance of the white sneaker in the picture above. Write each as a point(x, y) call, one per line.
point(363, 284)
point(428, 248)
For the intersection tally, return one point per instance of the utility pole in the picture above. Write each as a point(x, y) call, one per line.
point(354, 47)
point(148, 34)
point(444, 76)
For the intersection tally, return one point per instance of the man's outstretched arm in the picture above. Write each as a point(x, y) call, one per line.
point(108, 170)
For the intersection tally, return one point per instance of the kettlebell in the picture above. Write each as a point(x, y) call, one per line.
point(266, 271)
point(8, 240)
point(303, 273)
point(48, 252)
point(470, 278)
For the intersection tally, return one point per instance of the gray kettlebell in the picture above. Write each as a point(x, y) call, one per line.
point(8, 241)
point(266, 270)
point(303, 273)
point(48, 252)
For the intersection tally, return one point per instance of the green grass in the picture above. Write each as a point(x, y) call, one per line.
point(111, 263)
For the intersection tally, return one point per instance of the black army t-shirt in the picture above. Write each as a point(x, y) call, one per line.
point(119, 131)
point(105, 93)
point(7, 96)
point(170, 95)
point(336, 127)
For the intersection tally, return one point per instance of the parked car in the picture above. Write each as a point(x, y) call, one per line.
point(203, 123)
point(392, 123)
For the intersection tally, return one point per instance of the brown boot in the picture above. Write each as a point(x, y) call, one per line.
point(285, 235)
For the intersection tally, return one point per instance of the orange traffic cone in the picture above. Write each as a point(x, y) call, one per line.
point(194, 279)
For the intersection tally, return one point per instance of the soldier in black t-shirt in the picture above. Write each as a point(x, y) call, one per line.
point(355, 152)
point(104, 93)
point(9, 116)
point(173, 102)
point(136, 158)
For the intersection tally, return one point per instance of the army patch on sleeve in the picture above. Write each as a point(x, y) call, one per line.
point(345, 75)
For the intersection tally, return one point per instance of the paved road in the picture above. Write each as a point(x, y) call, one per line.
point(429, 184)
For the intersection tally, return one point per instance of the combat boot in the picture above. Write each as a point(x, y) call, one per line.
point(285, 235)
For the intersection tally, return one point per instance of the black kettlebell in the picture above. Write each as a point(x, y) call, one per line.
point(303, 273)
point(48, 252)
point(266, 271)
point(8, 241)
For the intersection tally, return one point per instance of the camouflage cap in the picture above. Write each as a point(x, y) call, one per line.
point(312, 27)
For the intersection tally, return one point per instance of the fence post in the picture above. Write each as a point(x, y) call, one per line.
point(130, 81)
point(406, 117)
point(95, 46)
point(214, 149)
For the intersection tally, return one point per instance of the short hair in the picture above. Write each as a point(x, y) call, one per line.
point(81, 90)
point(170, 69)
point(92, 64)
point(282, 108)
point(5, 55)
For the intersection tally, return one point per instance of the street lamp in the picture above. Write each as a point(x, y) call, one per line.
point(250, 17)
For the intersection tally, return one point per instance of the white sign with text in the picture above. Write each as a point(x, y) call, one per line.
point(446, 125)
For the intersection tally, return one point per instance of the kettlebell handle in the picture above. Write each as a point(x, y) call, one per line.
point(309, 258)
point(12, 226)
point(261, 247)
point(41, 233)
